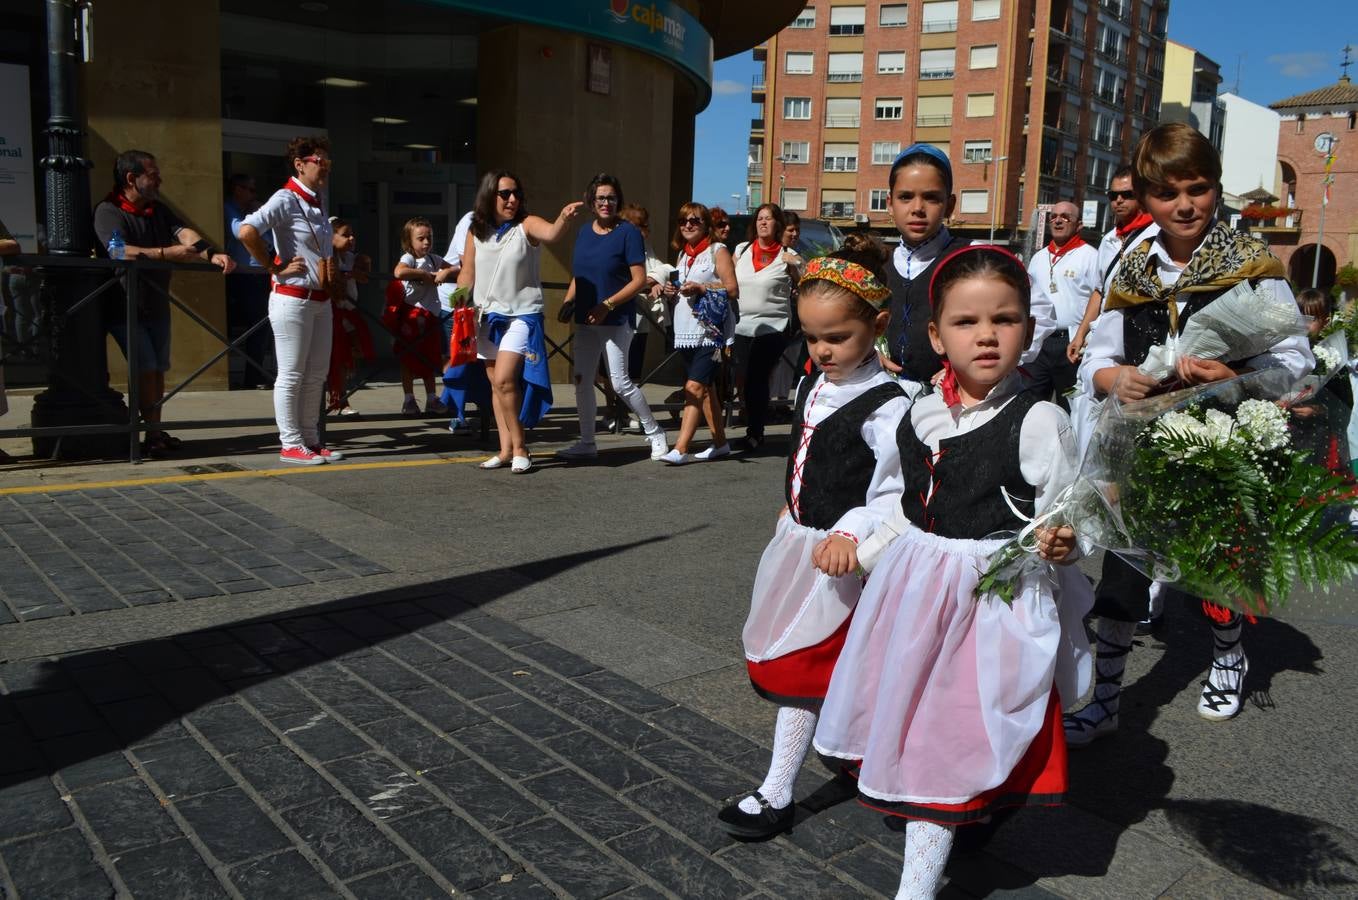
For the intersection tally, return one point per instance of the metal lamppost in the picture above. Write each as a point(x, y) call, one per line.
point(1324, 201)
point(782, 182)
point(736, 205)
point(995, 201)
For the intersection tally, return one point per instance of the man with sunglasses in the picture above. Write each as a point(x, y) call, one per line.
point(1066, 273)
point(1129, 220)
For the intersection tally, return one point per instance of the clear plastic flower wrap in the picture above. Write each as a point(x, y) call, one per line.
point(1240, 324)
point(1237, 492)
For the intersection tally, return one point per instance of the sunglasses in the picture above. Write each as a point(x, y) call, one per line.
point(507, 193)
point(606, 198)
point(318, 160)
point(1121, 195)
point(691, 220)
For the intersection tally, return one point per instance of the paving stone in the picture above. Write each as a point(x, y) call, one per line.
point(7, 616)
point(56, 866)
point(20, 753)
point(456, 850)
point(503, 632)
point(230, 728)
point(702, 732)
point(587, 807)
point(114, 681)
point(183, 768)
point(301, 624)
point(190, 689)
point(678, 866)
point(231, 826)
point(414, 745)
point(383, 786)
point(231, 661)
point(126, 815)
point(323, 738)
point(131, 582)
point(360, 566)
point(35, 676)
point(518, 887)
point(821, 836)
point(31, 807)
point(563, 662)
point(92, 598)
point(148, 598)
point(349, 698)
point(265, 637)
point(553, 691)
point(527, 716)
point(681, 809)
point(143, 720)
point(386, 674)
point(49, 606)
point(614, 768)
point(334, 642)
point(364, 623)
point(781, 871)
point(873, 867)
point(88, 759)
point(627, 694)
point(279, 576)
point(246, 586)
point(276, 699)
point(694, 767)
point(194, 640)
point(58, 713)
point(506, 752)
point(406, 882)
point(344, 840)
point(485, 796)
point(613, 723)
point(483, 655)
point(280, 777)
point(465, 680)
point(172, 869)
point(414, 651)
point(445, 712)
point(281, 875)
point(578, 867)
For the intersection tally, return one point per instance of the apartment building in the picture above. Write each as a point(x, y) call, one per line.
point(1189, 92)
point(1033, 100)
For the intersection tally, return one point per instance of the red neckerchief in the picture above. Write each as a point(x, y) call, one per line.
point(948, 386)
point(692, 250)
point(120, 200)
point(296, 187)
point(1138, 222)
point(1070, 245)
point(762, 255)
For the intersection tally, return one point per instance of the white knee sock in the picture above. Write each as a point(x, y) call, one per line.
point(927, 846)
point(791, 740)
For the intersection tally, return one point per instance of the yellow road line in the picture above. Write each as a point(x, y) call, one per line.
point(250, 473)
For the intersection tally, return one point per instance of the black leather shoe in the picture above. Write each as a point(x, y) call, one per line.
point(763, 824)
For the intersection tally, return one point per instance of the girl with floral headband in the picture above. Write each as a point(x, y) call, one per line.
point(948, 699)
point(843, 477)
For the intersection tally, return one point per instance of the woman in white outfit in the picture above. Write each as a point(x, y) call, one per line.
point(299, 303)
point(501, 265)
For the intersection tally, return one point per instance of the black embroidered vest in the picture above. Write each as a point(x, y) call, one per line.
point(839, 463)
point(967, 476)
point(908, 332)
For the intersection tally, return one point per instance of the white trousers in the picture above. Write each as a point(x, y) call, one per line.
point(301, 336)
point(612, 342)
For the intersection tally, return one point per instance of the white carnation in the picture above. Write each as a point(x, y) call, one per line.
point(1327, 358)
point(1220, 427)
point(1179, 424)
point(1264, 423)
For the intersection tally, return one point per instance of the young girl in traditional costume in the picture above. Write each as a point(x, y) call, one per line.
point(843, 477)
point(948, 698)
point(352, 339)
point(1185, 261)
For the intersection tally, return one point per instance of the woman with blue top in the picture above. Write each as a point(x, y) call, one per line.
point(501, 265)
point(703, 290)
point(608, 270)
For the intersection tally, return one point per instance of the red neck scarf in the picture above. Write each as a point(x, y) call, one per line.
point(948, 386)
point(300, 190)
point(692, 250)
point(119, 199)
point(1058, 252)
point(762, 255)
point(1138, 222)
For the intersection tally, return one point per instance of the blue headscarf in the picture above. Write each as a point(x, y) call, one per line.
point(932, 152)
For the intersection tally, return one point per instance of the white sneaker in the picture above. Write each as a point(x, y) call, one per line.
point(494, 462)
point(659, 447)
point(1222, 690)
point(675, 458)
point(713, 452)
point(580, 450)
point(520, 465)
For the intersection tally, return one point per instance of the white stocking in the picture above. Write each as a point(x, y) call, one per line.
point(926, 853)
point(791, 740)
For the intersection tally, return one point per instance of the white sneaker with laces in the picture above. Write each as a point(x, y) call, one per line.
point(659, 446)
point(713, 452)
point(580, 450)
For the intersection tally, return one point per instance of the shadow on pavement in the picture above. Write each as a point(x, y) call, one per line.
point(87, 704)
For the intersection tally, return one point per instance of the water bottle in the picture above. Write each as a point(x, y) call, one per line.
point(116, 248)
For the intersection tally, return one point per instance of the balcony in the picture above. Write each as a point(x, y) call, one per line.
point(836, 210)
point(842, 121)
point(846, 30)
point(1291, 225)
point(940, 121)
point(761, 52)
point(755, 168)
point(840, 164)
point(935, 74)
point(757, 126)
point(939, 26)
point(757, 87)
point(842, 77)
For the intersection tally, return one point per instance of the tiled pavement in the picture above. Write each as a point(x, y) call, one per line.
point(107, 549)
point(406, 748)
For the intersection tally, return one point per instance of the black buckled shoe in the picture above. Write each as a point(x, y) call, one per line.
point(764, 824)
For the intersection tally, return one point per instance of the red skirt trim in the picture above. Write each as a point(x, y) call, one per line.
point(802, 676)
point(1039, 779)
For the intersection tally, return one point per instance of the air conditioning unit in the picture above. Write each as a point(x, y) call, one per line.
point(860, 218)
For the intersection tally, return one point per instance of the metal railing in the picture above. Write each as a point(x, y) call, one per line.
point(842, 121)
point(933, 121)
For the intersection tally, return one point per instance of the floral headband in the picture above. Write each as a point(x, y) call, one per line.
point(848, 275)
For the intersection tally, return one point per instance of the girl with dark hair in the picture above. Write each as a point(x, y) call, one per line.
point(501, 265)
point(1162, 279)
point(703, 290)
point(843, 477)
point(608, 269)
point(950, 702)
point(766, 273)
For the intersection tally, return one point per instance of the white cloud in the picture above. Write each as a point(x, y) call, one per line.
point(727, 86)
point(1305, 64)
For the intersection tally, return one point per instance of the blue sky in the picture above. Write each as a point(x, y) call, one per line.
point(1278, 49)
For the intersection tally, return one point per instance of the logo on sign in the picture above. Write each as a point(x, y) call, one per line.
point(650, 17)
point(618, 10)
